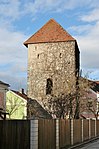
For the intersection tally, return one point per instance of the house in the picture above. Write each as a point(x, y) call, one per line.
point(88, 108)
point(3, 89)
point(17, 103)
point(36, 111)
point(90, 101)
point(53, 61)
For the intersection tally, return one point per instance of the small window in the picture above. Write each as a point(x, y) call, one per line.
point(49, 86)
point(38, 56)
point(68, 62)
point(60, 55)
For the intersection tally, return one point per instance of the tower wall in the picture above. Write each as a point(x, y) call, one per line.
point(54, 61)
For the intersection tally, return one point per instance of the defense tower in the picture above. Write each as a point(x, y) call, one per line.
point(53, 61)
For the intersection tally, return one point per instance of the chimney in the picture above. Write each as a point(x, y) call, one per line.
point(22, 90)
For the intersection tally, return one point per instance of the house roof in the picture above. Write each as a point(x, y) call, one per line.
point(20, 94)
point(4, 83)
point(38, 110)
point(50, 32)
point(87, 115)
point(95, 86)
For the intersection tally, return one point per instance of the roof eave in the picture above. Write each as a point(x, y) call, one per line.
point(26, 43)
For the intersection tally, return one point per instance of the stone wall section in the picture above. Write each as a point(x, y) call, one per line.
point(51, 60)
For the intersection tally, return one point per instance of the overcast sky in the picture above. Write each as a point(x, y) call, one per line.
point(19, 19)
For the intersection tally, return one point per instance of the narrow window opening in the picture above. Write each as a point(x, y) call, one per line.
point(68, 62)
point(60, 55)
point(49, 86)
point(38, 56)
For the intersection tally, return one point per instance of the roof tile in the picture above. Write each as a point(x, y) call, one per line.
point(50, 32)
point(20, 94)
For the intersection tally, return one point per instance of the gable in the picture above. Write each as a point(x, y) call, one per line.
point(13, 98)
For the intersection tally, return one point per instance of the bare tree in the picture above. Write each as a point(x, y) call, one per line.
point(60, 106)
point(68, 102)
point(88, 98)
point(12, 105)
point(72, 104)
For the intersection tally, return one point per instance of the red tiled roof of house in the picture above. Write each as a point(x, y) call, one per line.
point(50, 32)
point(97, 82)
point(20, 94)
point(87, 115)
point(39, 110)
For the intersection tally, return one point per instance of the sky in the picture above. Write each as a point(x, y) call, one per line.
point(19, 19)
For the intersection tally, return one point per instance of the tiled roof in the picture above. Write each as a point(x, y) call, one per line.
point(95, 86)
point(87, 115)
point(20, 94)
point(40, 112)
point(50, 32)
point(97, 82)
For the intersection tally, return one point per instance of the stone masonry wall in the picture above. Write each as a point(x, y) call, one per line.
point(51, 60)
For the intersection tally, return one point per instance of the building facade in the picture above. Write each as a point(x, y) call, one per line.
point(16, 105)
point(3, 89)
point(53, 61)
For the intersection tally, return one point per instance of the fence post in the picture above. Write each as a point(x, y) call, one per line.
point(95, 128)
point(57, 134)
point(33, 134)
point(82, 129)
point(71, 130)
point(89, 128)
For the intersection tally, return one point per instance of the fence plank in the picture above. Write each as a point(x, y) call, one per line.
point(64, 133)
point(85, 129)
point(97, 127)
point(47, 134)
point(92, 128)
point(77, 130)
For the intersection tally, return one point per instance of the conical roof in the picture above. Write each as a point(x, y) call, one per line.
point(50, 32)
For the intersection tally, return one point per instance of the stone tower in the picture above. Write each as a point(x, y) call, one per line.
point(53, 61)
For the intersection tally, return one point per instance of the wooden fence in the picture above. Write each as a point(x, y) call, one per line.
point(14, 134)
point(46, 134)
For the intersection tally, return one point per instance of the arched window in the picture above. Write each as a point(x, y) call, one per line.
point(49, 86)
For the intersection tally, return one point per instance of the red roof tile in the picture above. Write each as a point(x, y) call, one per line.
point(97, 82)
point(50, 32)
point(20, 94)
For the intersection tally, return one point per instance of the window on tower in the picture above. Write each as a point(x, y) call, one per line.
point(49, 86)
point(60, 55)
point(38, 56)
